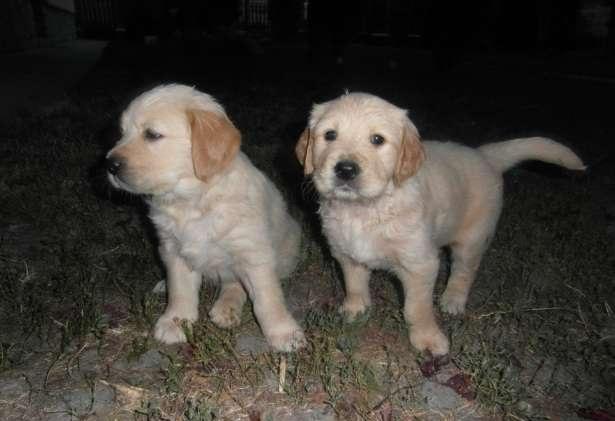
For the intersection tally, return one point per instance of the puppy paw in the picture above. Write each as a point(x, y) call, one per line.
point(288, 339)
point(351, 309)
point(168, 330)
point(453, 303)
point(432, 340)
point(225, 316)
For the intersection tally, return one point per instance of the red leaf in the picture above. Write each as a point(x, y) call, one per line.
point(254, 414)
point(596, 414)
point(433, 365)
point(386, 411)
point(462, 384)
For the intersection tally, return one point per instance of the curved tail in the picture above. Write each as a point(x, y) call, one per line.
point(505, 155)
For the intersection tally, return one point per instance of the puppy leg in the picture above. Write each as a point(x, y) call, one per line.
point(356, 280)
point(466, 259)
point(470, 244)
point(418, 283)
point(278, 325)
point(226, 311)
point(467, 251)
point(183, 286)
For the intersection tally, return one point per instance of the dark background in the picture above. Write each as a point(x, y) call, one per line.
point(485, 25)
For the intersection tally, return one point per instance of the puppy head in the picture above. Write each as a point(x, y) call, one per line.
point(357, 145)
point(171, 135)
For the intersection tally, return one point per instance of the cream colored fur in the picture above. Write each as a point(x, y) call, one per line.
point(230, 225)
point(408, 202)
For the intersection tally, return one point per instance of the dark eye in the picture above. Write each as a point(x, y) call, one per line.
point(150, 134)
point(330, 135)
point(376, 139)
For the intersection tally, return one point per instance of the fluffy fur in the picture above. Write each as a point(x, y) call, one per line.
point(405, 200)
point(216, 215)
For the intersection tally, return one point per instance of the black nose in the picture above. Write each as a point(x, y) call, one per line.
point(113, 165)
point(346, 170)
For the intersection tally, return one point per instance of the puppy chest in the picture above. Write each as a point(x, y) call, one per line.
point(207, 256)
point(364, 244)
point(201, 243)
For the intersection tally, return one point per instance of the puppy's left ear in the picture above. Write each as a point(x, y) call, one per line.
point(215, 142)
point(303, 150)
point(411, 154)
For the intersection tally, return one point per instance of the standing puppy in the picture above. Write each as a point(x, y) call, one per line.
point(215, 213)
point(389, 201)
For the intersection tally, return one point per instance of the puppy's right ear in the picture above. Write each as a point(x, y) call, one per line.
point(303, 150)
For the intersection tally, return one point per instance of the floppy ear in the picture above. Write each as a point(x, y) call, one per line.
point(215, 142)
point(411, 154)
point(304, 151)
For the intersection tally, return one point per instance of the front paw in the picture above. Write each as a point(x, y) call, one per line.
point(286, 338)
point(169, 330)
point(351, 309)
point(453, 302)
point(225, 316)
point(430, 339)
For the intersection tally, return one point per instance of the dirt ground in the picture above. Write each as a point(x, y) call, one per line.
point(78, 264)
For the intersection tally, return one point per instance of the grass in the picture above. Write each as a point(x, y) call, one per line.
point(78, 263)
point(328, 370)
point(200, 411)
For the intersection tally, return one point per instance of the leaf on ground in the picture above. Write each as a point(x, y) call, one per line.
point(431, 366)
point(597, 414)
point(462, 385)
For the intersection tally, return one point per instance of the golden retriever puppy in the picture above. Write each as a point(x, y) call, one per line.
point(216, 215)
point(389, 201)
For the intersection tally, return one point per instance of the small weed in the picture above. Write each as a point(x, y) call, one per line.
point(173, 375)
point(200, 410)
point(148, 411)
point(139, 346)
point(149, 309)
point(5, 362)
point(209, 343)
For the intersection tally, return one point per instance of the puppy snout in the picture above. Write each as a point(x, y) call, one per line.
point(113, 165)
point(346, 170)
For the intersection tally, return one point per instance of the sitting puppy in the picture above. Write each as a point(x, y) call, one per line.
point(216, 215)
point(388, 201)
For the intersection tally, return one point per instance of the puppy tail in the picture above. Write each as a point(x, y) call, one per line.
point(505, 155)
